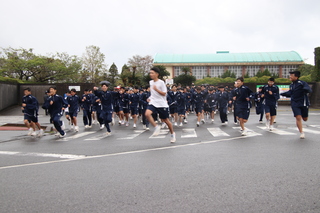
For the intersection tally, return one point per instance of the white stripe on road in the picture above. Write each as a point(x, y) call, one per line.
point(122, 153)
point(132, 135)
point(216, 132)
point(188, 133)
point(277, 131)
point(51, 155)
point(250, 133)
point(307, 130)
point(316, 126)
point(78, 135)
point(163, 133)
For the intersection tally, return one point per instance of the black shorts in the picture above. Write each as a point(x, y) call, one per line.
point(198, 109)
point(243, 113)
point(162, 111)
point(272, 109)
point(303, 111)
point(31, 118)
point(73, 114)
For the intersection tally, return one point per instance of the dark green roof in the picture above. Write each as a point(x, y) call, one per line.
point(226, 57)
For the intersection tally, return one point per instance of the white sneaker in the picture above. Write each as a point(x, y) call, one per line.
point(34, 133)
point(226, 122)
point(127, 123)
point(147, 128)
point(173, 138)
point(122, 122)
point(260, 122)
point(90, 127)
point(144, 127)
point(175, 124)
point(72, 127)
point(223, 124)
point(198, 123)
point(63, 126)
point(212, 120)
point(62, 136)
point(86, 126)
point(134, 125)
point(164, 125)
point(302, 136)
point(102, 126)
point(156, 130)
point(94, 122)
point(185, 121)
point(244, 132)
point(108, 133)
point(76, 129)
point(271, 128)
point(203, 121)
point(40, 133)
point(268, 124)
point(30, 131)
point(181, 124)
point(112, 122)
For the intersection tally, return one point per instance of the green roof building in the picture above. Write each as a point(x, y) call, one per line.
point(214, 65)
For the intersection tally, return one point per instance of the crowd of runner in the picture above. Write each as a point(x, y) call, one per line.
point(157, 102)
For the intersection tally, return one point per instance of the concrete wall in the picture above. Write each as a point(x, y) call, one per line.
point(8, 95)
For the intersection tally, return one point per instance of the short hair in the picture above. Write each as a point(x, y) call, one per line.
point(156, 69)
point(271, 79)
point(53, 87)
point(147, 87)
point(27, 88)
point(73, 90)
point(241, 79)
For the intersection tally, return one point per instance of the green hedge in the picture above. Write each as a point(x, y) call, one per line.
point(11, 80)
point(261, 80)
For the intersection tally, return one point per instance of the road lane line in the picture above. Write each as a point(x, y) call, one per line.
point(123, 153)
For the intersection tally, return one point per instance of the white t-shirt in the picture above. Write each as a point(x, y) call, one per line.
point(156, 99)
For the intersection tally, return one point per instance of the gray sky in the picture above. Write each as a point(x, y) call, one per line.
point(123, 28)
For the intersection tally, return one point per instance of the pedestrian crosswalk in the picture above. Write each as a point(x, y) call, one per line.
point(185, 133)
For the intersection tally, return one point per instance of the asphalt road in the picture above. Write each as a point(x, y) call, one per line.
point(210, 168)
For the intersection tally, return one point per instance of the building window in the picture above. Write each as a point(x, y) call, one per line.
point(177, 71)
point(274, 70)
point(237, 70)
point(286, 69)
point(216, 71)
point(199, 72)
point(252, 70)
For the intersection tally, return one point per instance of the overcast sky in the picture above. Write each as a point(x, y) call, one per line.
point(123, 28)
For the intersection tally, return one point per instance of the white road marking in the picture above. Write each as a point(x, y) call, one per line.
point(78, 135)
point(121, 153)
point(250, 133)
point(316, 126)
point(163, 133)
point(277, 131)
point(216, 132)
point(51, 155)
point(307, 130)
point(188, 133)
point(132, 135)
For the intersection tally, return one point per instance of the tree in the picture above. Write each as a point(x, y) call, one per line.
point(93, 64)
point(185, 79)
point(266, 72)
point(305, 69)
point(163, 74)
point(228, 73)
point(315, 75)
point(113, 73)
point(143, 64)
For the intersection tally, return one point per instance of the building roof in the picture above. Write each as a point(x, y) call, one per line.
point(226, 57)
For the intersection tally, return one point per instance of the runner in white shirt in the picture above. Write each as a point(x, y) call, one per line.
point(158, 103)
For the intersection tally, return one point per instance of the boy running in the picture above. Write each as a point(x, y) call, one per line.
point(158, 103)
point(299, 99)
